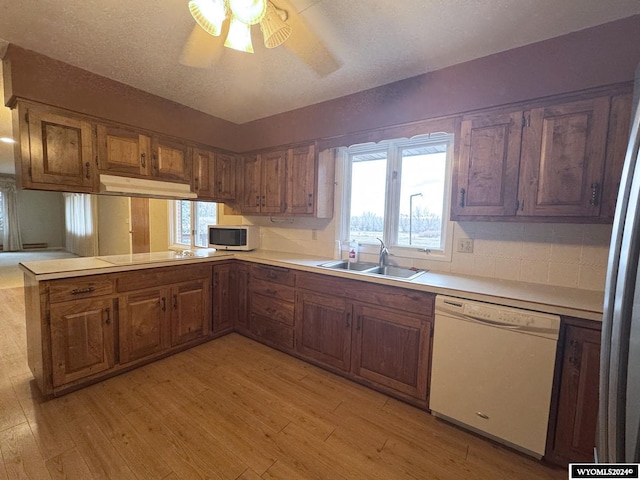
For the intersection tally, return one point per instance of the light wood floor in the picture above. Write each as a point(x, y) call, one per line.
point(229, 409)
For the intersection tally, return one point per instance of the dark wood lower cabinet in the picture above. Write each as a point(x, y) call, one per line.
point(324, 329)
point(81, 339)
point(391, 349)
point(388, 348)
point(572, 426)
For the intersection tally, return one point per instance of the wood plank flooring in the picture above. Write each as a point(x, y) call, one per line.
point(231, 409)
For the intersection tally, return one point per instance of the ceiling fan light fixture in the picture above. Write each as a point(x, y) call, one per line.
point(248, 11)
point(274, 30)
point(209, 14)
point(239, 36)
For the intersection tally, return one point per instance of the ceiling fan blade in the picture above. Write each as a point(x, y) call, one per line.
point(305, 44)
point(201, 49)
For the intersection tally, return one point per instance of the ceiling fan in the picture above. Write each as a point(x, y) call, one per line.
point(221, 23)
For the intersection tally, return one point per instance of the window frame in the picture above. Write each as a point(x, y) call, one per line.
point(173, 211)
point(394, 150)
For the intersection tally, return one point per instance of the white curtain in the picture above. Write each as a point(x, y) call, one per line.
point(11, 237)
point(81, 233)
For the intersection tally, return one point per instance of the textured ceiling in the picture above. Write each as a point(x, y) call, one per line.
point(376, 42)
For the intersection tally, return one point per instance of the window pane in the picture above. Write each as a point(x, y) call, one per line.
point(206, 214)
point(420, 222)
point(183, 222)
point(368, 181)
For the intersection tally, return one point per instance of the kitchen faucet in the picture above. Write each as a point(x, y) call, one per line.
point(384, 254)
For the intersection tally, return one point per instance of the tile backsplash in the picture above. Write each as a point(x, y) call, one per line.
point(568, 255)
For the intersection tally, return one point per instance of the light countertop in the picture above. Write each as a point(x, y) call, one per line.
point(544, 298)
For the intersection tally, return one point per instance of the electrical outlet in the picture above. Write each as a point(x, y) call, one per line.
point(465, 245)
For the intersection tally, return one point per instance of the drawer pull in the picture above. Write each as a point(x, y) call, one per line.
point(358, 321)
point(164, 304)
point(175, 302)
point(78, 291)
point(108, 320)
point(482, 415)
point(348, 322)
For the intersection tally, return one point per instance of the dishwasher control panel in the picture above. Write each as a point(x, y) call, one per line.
point(498, 315)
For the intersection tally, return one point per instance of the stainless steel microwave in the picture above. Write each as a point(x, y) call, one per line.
point(234, 237)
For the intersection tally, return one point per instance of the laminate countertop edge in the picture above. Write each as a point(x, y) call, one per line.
point(580, 303)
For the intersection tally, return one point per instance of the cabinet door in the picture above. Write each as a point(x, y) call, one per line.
point(60, 151)
point(617, 142)
point(272, 183)
point(323, 329)
point(301, 180)
point(392, 349)
point(240, 281)
point(562, 161)
point(487, 169)
point(143, 324)
point(575, 428)
point(82, 340)
point(223, 301)
point(250, 197)
point(203, 171)
point(190, 311)
point(123, 151)
point(170, 160)
point(225, 176)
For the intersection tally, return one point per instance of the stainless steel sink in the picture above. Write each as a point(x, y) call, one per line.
point(345, 265)
point(398, 272)
point(374, 269)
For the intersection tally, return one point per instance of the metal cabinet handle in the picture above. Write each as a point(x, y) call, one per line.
point(310, 204)
point(197, 183)
point(358, 322)
point(108, 320)
point(175, 302)
point(348, 322)
point(463, 193)
point(264, 201)
point(482, 415)
point(257, 200)
point(78, 291)
point(143, 160)
point(594, 193)
point(87, 165)
point(164, 304)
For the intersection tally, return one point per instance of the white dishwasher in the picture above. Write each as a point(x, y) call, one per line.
point(492, 370)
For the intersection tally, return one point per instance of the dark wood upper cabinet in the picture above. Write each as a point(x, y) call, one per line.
point(56, 150)
point(562, 160)
point(487, 169)
point(547, 162)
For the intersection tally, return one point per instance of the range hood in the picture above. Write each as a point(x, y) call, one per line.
point(117, 185)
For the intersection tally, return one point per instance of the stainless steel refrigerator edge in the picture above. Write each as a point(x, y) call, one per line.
point(619, 409)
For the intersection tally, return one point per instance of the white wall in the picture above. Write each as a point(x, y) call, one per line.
point(159, 224)
point(41, 217)
point(113, 225)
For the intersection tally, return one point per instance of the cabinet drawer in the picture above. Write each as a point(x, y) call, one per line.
point(64, 290)
point(283, 276)
point(405, 299)
point(274, 333)
point(154, 277)
point(269, 289)
point(272, 308)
